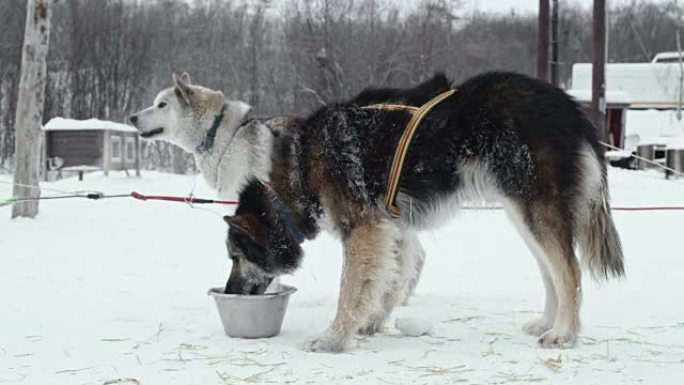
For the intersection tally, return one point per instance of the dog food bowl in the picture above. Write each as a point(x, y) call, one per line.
point(252, 316)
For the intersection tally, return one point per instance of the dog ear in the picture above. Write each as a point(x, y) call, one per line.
point(279, 125)
point(182, 87)
point(246, 224)
point(185, 77)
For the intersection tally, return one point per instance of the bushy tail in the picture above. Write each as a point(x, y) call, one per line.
point(599, 240)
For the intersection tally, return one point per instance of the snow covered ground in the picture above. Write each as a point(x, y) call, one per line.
point(114, 292)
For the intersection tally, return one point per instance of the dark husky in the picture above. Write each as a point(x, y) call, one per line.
point(502, 136)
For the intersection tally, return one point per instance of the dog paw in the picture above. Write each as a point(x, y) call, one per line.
point(323, 344)
point(371, 328)
point(553, 339)
point(537, 327)
point(368, 330)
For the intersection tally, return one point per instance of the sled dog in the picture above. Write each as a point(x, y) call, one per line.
point(501, 137)
point(228, 145)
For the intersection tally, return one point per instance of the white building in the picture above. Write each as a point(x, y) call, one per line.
point(642, 101)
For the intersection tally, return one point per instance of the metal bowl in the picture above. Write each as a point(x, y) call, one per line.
point(252, 316)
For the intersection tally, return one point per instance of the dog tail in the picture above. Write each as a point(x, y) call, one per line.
point(599, 240)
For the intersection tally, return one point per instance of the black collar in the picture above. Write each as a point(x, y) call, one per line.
point(208, 142)
point(289, 222)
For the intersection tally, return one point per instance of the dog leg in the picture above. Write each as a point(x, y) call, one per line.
point(376, 321)
point(412, 260)
point(566, 276)
point(552, 229)
point(366, 278)
point(541, 325)
point(398, 276)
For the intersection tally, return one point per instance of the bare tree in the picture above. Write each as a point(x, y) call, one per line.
point(108, 58)
point(12, 16)
point(29, 116)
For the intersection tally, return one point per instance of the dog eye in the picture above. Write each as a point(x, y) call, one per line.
point(161, 105)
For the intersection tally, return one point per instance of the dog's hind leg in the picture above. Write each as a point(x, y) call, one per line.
point(539, 326)
point(412, 259)
point(370, 268)
point(395, 283)
point(551, 223)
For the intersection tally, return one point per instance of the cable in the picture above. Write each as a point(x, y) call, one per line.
point(644, 159)
point(36, 187)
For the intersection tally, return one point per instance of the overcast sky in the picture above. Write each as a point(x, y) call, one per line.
point(519, 6)
point(524, 6)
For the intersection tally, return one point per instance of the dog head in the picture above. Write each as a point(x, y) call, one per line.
point(183, 113)
point(263, 241)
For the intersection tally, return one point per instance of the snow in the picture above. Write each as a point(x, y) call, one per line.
point(96, 291)
point(612, 97)
point(413, 327)
point(62, 124)
point(655, 127)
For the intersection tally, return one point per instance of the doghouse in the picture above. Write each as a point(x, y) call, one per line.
point(89, 145)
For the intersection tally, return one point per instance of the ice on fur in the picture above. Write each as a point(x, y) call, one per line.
point(502, 136)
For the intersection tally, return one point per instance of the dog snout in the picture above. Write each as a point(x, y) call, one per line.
point(133, 119)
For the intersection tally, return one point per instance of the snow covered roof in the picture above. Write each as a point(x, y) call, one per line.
point(647, 85)
point(62, 124)
point(612, 97)
point(666, 57)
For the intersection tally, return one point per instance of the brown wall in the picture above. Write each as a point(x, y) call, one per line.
point(77, 148)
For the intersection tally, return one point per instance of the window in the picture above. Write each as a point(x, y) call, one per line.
point(116, 149)
point(130, 150)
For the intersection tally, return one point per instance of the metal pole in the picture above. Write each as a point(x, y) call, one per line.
point(554, 43)
point(598, 78)
point(543, 41)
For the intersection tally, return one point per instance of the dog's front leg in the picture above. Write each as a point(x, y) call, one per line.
point(366, 278)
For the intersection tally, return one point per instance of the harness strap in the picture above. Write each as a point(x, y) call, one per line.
point(417, 115)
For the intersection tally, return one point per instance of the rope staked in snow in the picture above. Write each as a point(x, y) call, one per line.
point(36, 187)
point(649, 161)
point(191, 200)
point(188, 199)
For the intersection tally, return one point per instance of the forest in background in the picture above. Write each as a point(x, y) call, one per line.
point(109, 58)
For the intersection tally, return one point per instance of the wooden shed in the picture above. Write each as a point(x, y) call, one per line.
point(86, 145)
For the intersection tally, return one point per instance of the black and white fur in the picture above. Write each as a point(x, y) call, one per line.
point(242, 149)
point(501, 137)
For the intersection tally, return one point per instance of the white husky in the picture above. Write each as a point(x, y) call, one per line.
point(228, 147)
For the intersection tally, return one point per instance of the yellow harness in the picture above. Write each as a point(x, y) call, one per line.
point(417, 115)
